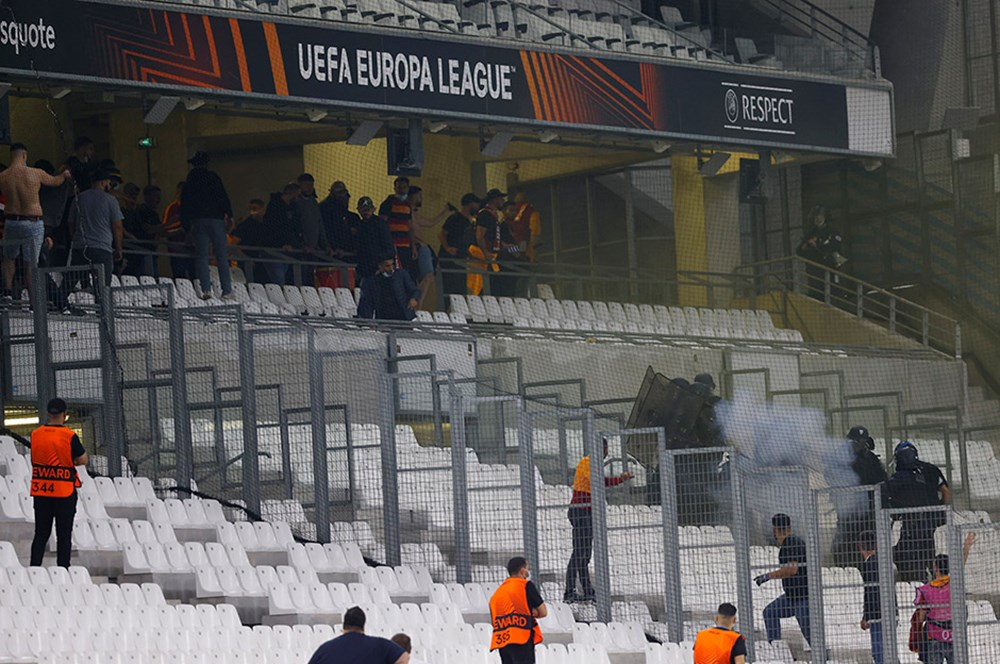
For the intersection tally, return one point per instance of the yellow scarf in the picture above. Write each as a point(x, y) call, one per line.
point(937, 583)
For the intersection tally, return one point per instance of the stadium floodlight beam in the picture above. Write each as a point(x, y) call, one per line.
point(161, 110)
point(59, 93)
point(714, 164)
point(496, 145)
point(193, 103)
point(365, 132)
point(316, 114)
point(437, 127)
point(548, 136)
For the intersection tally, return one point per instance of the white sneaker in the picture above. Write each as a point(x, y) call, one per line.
point(206, 296)
point(229, 296)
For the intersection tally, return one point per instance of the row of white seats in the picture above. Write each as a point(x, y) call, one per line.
point(233, 581)
point(15, 575)
point(81, 595)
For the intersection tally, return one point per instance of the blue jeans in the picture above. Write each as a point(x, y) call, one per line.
point(212, 231)
point(786, 607)
point(277, 273)
point(875, 630)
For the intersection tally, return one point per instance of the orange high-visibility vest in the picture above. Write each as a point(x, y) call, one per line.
point(715, 645)
point(53, 474)
point(512, 619)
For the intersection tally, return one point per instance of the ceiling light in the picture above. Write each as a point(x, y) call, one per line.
point(59, 93)
point(160, 110)
point(659, 147)
point(496, 145)
point(316, 114)
point(365, 132)
point(20, 421)
point(437, 127)
point(547, 136)
point(193, 103)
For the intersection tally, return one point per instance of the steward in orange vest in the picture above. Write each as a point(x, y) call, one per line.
point(55, 453)
point(514, 609)
point(721, 644)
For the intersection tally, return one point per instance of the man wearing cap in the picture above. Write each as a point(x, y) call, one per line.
point(457, 233)
point(721, 644)
point(24, 229)
point(794, 580)
point(373, 237)
point(55, 453)
point(204, 209)
point(356, 647)
point(96, 225)
point(338, 219)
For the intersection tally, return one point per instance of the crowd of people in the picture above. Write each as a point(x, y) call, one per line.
point(86, 214)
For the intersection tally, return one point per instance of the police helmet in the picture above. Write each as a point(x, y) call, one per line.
point(906, 455)
point(861, 436)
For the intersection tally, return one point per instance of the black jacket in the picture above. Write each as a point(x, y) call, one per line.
point(283, 223)
point(203, 197)
point(374, 243)
point(402, 290)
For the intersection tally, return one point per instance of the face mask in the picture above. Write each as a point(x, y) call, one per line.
point(403, 197)
point(387, 274)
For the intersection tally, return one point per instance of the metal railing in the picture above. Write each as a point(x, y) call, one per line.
point(861, 299)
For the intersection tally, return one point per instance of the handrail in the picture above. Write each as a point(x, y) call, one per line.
point(839, 29)
point(884, 308)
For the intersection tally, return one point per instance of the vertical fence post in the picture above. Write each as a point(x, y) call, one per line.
point(925, 330)
point(814, 556)
point(860, 300)
point(958, 340)
point(959, 617)
point(460, 486)
point(321, 472)
point(599, 517)
point(183, 447)
point(741, 542)
point(529, 501)
point(892, 313)
point(248, 396)
point(110, 375)
point(673, 607)
point(45, 378)
point(886, 575)
point(390, 489)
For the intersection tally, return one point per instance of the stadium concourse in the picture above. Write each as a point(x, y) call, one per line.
point(668, 286)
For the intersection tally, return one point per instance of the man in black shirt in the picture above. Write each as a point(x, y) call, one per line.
point(205, 208)
point(373, 237)
point(856, 511)
point(794, 580)
point(253, 232)
point(871, 612)
point(145, 225)
point(458, 232)
point(389, 295)
point(335, 211)
point(284, 229)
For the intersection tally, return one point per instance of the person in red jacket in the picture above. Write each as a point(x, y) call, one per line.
point(583, 530)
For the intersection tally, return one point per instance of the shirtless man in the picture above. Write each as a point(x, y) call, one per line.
point(24, 231)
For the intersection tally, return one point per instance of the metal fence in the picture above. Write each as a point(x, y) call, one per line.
point(362, 436)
